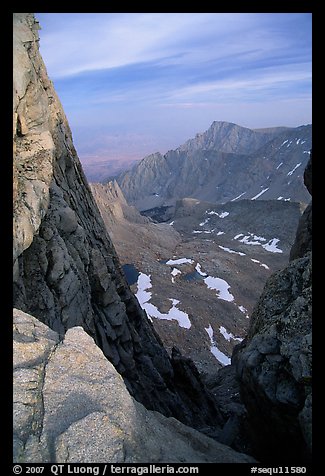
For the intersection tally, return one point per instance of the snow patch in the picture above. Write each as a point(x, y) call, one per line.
point(295, 167)
point(261, 264)
point(272, 246)
point(238, 236)
point(204, 222)
point(143, 296)
point(252, 239)
point(221, 286)
point(220, 356)
point(259, 194)
point(244, 311)
point(247, 239)
point(280, 198)
point(281, 163)
point(171, 223)
point(171, 262)
point(239, 196)
point(228, 335)
point(174, 273)
point(231, 251)
point(284, 142)
point(220, 233)
point(198, 268)
point(220, 215)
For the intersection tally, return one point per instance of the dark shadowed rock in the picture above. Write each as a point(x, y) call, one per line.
point(303, 241)
point(274, 362)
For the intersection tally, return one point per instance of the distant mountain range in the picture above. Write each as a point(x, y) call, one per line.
point(225, 163)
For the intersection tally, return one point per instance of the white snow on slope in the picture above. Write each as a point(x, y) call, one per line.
point(284, 142)
point(231, 251)
point(272, 246)
point(174, 273)
point(204, 222)
point(220, 215)
point(143, 296)
point(244, 311)
point(171, 262)
point(295, 167)
point(252, 239)
point(198, 268)
point(259, 194)
point(239, 196)
point(281, 163)
point(221, 286)
point(228, 335)
point(217, 284)
point(220, 356)
point(261, 264)
point(220, 233)
point(280, 198)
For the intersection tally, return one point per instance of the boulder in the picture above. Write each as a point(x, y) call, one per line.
point(71, 406)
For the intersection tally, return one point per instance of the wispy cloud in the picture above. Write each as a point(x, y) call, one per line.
point(168, 74)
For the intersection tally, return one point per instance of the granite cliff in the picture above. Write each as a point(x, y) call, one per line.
point(66, 271)
point(274, 362)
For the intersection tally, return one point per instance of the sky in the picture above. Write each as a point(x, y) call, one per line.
point(136, 83)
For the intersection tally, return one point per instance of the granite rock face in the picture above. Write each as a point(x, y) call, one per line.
point(274, 362)
point(66, 271)
point(71, 406)
point(303, 241)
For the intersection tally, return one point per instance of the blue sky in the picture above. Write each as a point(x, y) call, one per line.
point(136, 83)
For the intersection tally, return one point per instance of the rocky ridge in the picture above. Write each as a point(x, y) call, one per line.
point(66, 270)
point(225, 163)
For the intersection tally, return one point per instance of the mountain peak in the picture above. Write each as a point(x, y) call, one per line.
point(228, 137)
point(226, 162)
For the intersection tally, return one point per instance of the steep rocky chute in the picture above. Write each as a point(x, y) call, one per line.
point(66, 271)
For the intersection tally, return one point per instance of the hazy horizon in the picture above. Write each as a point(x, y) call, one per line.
point(132, 84)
